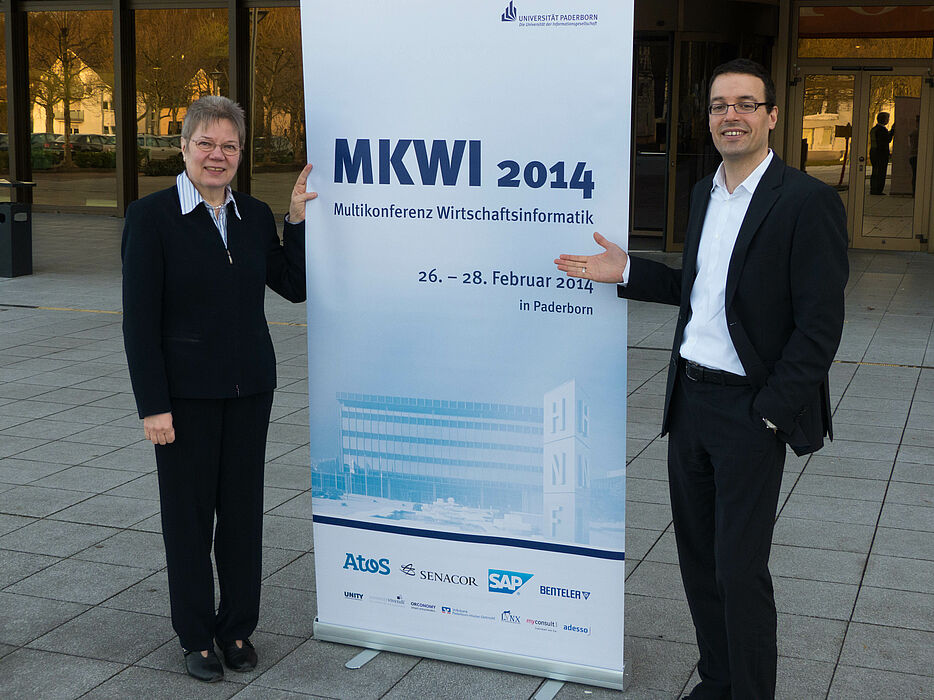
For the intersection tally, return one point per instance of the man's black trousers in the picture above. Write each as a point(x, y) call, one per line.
point(214, 467)
point(725, 470)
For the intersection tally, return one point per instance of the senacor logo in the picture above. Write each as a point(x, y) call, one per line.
point(358, 562)
point(577, 628)
point(556, 592)
point(510, 14)
point(445, 609)
point(507, 581)
point(441, 577)
point(408, 569)
point(353, 596)
point(507, 616)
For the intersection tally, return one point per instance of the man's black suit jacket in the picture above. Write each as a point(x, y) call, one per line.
point(193, 318)
point(784, 297)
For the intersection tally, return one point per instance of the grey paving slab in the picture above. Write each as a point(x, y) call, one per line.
point(64, 452)
point(149, 596)
point(12, 445)
point(823, 465)
point(639, 542)
point(855, 682)
point(298, 507)
point(288, 476)
point(11, 523)
point(297, 575)
point(800, 678)
point(109, 435)
point(912, 472)
point(275, 559)
point(138, 458)
point(840, 487)
point(911, 494)
point(860, 450)
point(652, 516)
point(135, 682)
point(656, 579)
point(287, 611)
point(25, 471)
point(814, 598)
point(813, 638)
point(657, 664)
point(665, 549)
point(901, 516)
point(884, 606)
point(84, 478)
point(252, 692)
point(31, 673)
point(108, 635)
point(435, 678)
point(646, 490)
point(816, 564)
point(145, 487)
point(285, 533)
point(55, 538)
point(26, 617)
point(916, 454)
point(851, 416)
point(37, 501)
point(889, 648)
point(113, 511)
point(823, 534)
point(79, 581)
point(838, 510)
point(15, 566)
point(144, 550)
point(43, 429)
point(317, 668)
point(657, 618)
point(909, 543)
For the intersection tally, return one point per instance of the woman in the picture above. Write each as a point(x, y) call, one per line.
point(196, 260)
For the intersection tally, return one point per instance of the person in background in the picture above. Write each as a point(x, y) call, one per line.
point(879, 140)
point(197, 258)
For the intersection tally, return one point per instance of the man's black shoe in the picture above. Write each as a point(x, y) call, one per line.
point(204, 668)
point(241, 659)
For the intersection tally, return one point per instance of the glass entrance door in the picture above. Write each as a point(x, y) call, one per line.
point(864, 134)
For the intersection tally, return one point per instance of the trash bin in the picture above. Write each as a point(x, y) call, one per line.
point(15, 233)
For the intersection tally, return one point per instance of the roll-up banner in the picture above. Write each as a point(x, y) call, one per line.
point(467, 401)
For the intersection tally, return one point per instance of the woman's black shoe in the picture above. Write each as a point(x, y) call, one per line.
point(204, 668)
point(240, 659)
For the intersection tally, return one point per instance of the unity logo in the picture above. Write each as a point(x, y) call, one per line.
point(511, 14)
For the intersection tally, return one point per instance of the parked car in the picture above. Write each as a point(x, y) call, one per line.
point(48, 142)
point(88, 142)
point(156, 147)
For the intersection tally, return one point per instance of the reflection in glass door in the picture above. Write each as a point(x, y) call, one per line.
point(827, 129)
point(892, 120)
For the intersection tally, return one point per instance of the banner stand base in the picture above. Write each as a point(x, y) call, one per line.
point(361, 659)
point(473, 656)
point(549, 689)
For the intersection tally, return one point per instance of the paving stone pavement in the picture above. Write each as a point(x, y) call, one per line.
point(83, 593)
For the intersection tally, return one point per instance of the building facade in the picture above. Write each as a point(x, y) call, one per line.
point(126, 69)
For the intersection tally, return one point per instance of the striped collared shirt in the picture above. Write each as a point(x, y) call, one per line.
point(189, 198)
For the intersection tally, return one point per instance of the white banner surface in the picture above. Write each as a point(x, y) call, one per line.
point(467, 401)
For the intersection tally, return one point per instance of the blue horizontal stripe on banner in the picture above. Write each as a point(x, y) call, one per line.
point(477, 539)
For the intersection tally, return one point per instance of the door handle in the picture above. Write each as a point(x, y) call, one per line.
point(862, 159)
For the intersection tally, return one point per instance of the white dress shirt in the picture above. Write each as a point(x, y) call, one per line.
point(189, 198)
point(706, 338)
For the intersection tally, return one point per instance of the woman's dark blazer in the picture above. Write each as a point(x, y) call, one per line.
point(193, 318)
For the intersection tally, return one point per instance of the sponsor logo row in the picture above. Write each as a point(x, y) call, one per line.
point(508, 617)
point(497, 580)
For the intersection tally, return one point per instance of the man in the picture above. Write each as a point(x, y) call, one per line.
point(879, 140)
point(761, 297)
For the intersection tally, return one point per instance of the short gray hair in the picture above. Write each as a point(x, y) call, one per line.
point(212, 108)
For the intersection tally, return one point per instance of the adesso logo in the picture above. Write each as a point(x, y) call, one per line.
point(507, 581)
point(358, 562)
point(510, 14)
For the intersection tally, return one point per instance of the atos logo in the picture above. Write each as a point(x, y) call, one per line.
point(358, 562)
point(408, 569)
point(510, 14)
point(507, 616)
point(507, 581)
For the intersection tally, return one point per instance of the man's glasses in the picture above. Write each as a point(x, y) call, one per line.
point(718, 109)
point(228, 149)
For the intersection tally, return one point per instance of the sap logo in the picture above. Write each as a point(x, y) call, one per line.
point(510, 14)
point(360, 563)
point(577, 628)
point(507, 616)
point(507, 581)
point(358, 164)
point(353, 596)
point(408, 569)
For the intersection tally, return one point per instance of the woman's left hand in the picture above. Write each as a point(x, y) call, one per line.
point(300, 197)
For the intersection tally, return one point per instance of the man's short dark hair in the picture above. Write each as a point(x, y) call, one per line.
point(744, 66)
